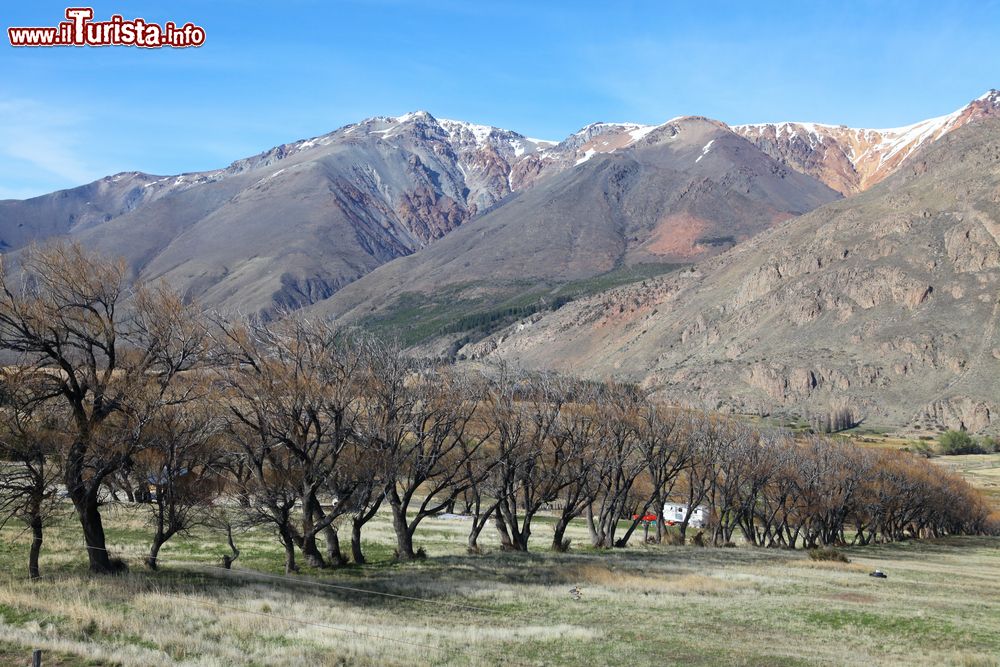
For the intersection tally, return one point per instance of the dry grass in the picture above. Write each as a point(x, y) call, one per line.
point(638, 606)
point(594, 577)
point(982, 471)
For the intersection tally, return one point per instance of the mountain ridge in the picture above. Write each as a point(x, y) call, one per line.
point(295, 223)
point(884, 302)
point(851, 160)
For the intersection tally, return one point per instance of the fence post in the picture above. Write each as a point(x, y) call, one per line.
point(36, 658)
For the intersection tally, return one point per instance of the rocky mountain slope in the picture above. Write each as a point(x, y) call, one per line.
point(293, 225)
point(72, 211)
point(675, 193)
point(885, 302)
point(850, 160)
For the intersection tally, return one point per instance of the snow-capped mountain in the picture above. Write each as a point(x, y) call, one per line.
point(295, 223)
point(486, 158)
point(853, 159)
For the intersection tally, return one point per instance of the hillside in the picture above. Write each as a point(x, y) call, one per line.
point(291, 226)
point(885, 302)
point(683, 191)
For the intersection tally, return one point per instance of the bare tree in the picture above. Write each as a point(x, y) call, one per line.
point(741, 470)
point(665, 451)
point(478, 503)
point(368, 468)
point(705, 434)
point(72, 314)
point(291, 409)
point(29, 450)
point(531, 459)
point(177, 463)
point(417, 422)
point(576, 439)
point(621, 463)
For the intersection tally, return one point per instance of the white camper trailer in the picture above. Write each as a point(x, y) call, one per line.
point(675, 513)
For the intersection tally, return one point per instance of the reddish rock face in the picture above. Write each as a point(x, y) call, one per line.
point(430, 215)
point(851, 160)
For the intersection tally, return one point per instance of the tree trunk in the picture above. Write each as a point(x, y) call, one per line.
point(622, 541)
point(596, 537)
point(309, 548)
point(333, 553)
point(521, 538)
point(506, 544)
point(520, 533)
point(289, 544)
point(85, 501)
point(93, 534)
point(311, 552)
point(36, 547)
point(404, 540)
point(227, 560)
point(558, 532)
point(154, 549)
point(357, 555)
point(473, 543)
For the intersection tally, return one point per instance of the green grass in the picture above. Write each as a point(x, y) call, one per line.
point(982, 470)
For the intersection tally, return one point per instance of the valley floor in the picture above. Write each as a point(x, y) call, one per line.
point(645, 605)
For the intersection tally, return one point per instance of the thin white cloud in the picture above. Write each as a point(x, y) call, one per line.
point(41, 148)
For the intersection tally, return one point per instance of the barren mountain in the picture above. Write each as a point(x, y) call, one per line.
point(77, 209)
point(291, 225)
point(294, 224)
point(671, 194)
point(850, 160)
point(886, 301)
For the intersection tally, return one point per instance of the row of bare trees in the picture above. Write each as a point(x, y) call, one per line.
point(122, 392)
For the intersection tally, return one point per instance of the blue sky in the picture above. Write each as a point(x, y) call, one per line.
point(272, 72)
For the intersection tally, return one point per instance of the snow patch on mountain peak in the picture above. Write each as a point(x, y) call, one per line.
point(991, 95)
point(414, 115)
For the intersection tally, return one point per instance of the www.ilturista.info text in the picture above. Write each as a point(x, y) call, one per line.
point(80, 30)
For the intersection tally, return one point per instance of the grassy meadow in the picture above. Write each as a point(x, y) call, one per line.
point(645, 605)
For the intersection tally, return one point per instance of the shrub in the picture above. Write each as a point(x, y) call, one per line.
point(828, 554)
point(958, 442)
point(674, 538)
point(989, 443)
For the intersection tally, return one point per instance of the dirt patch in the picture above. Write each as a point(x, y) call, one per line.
point(676, 236)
